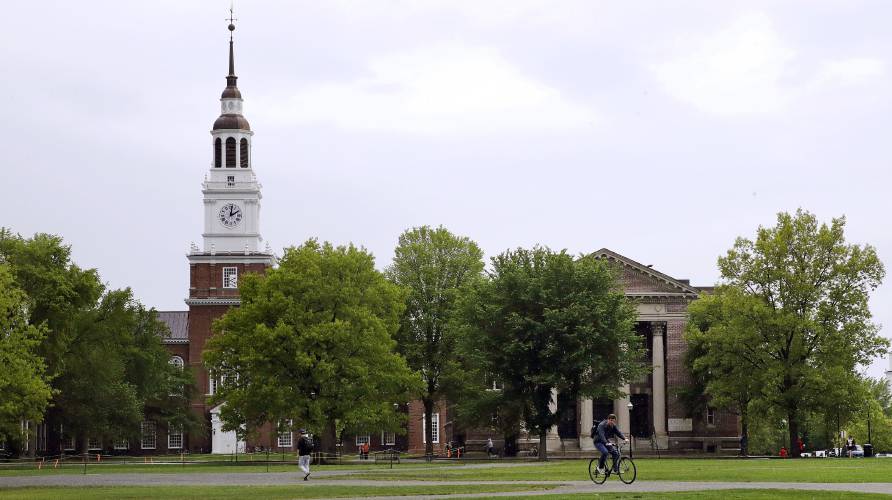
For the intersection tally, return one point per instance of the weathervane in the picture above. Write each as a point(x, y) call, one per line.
point(231, 20)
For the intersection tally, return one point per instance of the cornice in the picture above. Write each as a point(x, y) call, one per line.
point(220, 301)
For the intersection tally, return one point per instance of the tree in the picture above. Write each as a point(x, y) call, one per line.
point(434, 265)
point(24, 387)
point(103, 350)
point(544, 321)
point(718, 336)
point(809, 320)
point(312, 342)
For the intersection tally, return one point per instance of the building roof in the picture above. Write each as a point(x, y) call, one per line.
point(178, 324)
point(680, 287)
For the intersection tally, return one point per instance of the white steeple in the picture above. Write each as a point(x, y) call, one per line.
point(231, 191)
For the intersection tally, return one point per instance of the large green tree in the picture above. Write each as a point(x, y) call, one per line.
point(312, 342)
point(103, 350)
point(718, 336)
point(806, 310)
point(24, 388)
point(434, 265)
point(545, 320)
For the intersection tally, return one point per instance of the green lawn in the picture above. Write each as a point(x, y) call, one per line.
point(814, 470)
point(214, 466)
point(709, 495)
point(285, 492)
point(266, 492)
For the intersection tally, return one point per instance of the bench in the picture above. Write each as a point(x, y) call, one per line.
point(389, 455)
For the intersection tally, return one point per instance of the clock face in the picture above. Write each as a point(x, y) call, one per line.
point(230, 215)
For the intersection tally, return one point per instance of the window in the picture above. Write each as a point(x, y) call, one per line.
point(174, 437)
point(94, 444)
point(212, 385)
point(68, 443)
point(710, 416)
point(218, 153)
point(230, 277)
point(435, 429)
point(230, 152)
point(361, 440)
point(230, 181)
point(177, 361)
point(243, 152)
point(388, 438)
point(41, 437)
point(148, 435)
point(121, 444)
point(285, 440)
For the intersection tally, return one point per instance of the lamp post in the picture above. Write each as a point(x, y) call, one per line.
point(869, 440)
point(630, 406)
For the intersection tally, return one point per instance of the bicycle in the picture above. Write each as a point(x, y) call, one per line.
point(627, 470)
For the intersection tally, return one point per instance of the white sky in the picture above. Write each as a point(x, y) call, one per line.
point(661, 131)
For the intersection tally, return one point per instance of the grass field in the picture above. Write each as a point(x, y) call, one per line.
point(285, 492)
point(816, 470)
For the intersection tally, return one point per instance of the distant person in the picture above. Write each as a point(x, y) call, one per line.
point(783, 452)
point(304, 450)
point(605, 431)
point(364, 451)
point(490, 449)
point(850, 446)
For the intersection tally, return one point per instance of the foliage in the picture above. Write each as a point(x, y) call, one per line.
point(312, 342)
point(434, 266)
point(24, 388)
point(102, 349)
point(803, 295)
point(544, 321)
point(718, 335)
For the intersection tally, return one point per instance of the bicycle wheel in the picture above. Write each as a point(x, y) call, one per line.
point(597, 477)
point(627, 470)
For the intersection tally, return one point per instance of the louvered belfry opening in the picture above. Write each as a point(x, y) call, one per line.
point(243, 151)
point(230, 152)
point(218, 153)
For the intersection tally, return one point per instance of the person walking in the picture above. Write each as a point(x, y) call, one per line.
point(304, 449)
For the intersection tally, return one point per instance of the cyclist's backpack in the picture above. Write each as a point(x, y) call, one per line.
point(595, 429)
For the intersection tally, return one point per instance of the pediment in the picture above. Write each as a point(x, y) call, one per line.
point(639, 280)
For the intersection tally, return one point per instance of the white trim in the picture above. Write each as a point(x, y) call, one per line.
point(388, 442)
point(94, 444)
point(173, 434)
point(362, 439)
point(435, 418)
point(148, 434)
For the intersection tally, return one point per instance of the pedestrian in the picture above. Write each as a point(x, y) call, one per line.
point(783, 452)
point(304, 450)
point(364, 451)
point(489, 447)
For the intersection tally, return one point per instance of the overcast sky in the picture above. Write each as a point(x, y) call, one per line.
point(660, 130)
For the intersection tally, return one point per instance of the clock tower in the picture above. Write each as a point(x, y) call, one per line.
point(231, 243)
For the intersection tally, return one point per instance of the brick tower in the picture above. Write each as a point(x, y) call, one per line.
point(232, 245)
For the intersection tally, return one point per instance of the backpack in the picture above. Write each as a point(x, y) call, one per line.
point(595, 429)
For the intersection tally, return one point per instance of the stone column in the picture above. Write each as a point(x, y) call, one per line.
point(553, 440)
point(621, 409)
point(585, 425)
point(659, 386)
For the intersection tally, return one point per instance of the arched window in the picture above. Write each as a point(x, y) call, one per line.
point(230, 152)
point(218, 153)
point(177, 361)
point(243, 151)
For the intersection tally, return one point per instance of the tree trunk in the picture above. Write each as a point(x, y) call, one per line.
point(793, 426)
point(428, 428)
point(328, 440)
point(543, 446)
point(744, 431)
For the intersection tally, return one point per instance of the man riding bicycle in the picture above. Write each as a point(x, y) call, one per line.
point(605, 430)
